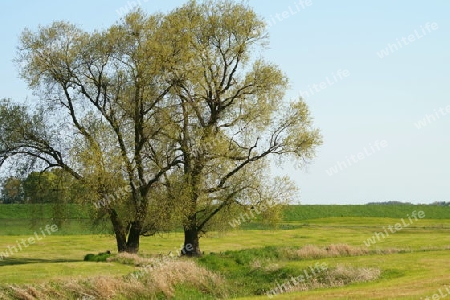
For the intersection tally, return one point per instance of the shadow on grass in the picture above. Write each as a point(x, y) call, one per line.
point(10, 261)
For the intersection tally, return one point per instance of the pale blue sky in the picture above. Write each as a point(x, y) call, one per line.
point(380, 99)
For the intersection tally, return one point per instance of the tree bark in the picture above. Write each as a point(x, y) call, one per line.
point(191, 246)
point(124, 244)
point(119, 231)
point(191, 242)
point(133, 237)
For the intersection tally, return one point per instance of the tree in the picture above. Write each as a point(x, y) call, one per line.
point(41, 187)
point(55, 188)
point(161, 118)
point(12, 191)
point(232, 117)
point(101, 117)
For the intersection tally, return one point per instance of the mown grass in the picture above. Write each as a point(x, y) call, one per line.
point(25, 211)
point(25, 218)
point(404, 276)
point(307, 212)
point(255, 271)
point(253, 261)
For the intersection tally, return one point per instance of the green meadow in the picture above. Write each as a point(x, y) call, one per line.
point(252, 260)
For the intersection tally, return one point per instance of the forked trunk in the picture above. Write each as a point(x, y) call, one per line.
point(123, 245)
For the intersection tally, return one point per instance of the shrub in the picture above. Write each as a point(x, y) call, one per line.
point(102, 256)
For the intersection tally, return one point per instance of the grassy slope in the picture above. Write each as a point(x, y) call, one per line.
point(292, 213)
point(56, 257)
point(308, 212)
point(24, 211)
point(406, 276)
point(413, 274)
point(23, 219)
point(17, 218)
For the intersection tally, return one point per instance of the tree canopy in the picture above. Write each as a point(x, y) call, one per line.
point(171, 118)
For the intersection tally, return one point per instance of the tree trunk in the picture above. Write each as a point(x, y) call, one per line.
point(191, 242)
point(133, 237)
point(121, 242)
point(123, 245)
point(119, 231)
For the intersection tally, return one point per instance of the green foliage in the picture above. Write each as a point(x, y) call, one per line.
point(55, 187)
point(170, 115)
point(125, 94)
point(102, 256)
point(232, 116)
point(12, 191)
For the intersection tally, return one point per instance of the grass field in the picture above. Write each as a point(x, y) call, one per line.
point(413, 261)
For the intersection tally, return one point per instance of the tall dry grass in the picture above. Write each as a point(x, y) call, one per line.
point(334, 250)
point(338, 276)
point(160, 279)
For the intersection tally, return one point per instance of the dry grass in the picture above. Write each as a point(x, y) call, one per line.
point(130, 259)
point(267, 265)
point(165, 277)
point(162, 278)
point(334, 250)
point(343, 275)
point(339, 276)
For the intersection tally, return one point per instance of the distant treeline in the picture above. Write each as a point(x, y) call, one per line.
point(438, 203)
point(52, 186)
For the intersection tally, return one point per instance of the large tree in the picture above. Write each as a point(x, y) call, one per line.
point(101, 117)
point(162, 118)
point(232, 117)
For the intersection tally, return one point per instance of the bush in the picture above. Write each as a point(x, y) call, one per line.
point(102, 256)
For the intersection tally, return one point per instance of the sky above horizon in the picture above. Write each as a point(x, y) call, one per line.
point(375, 76)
